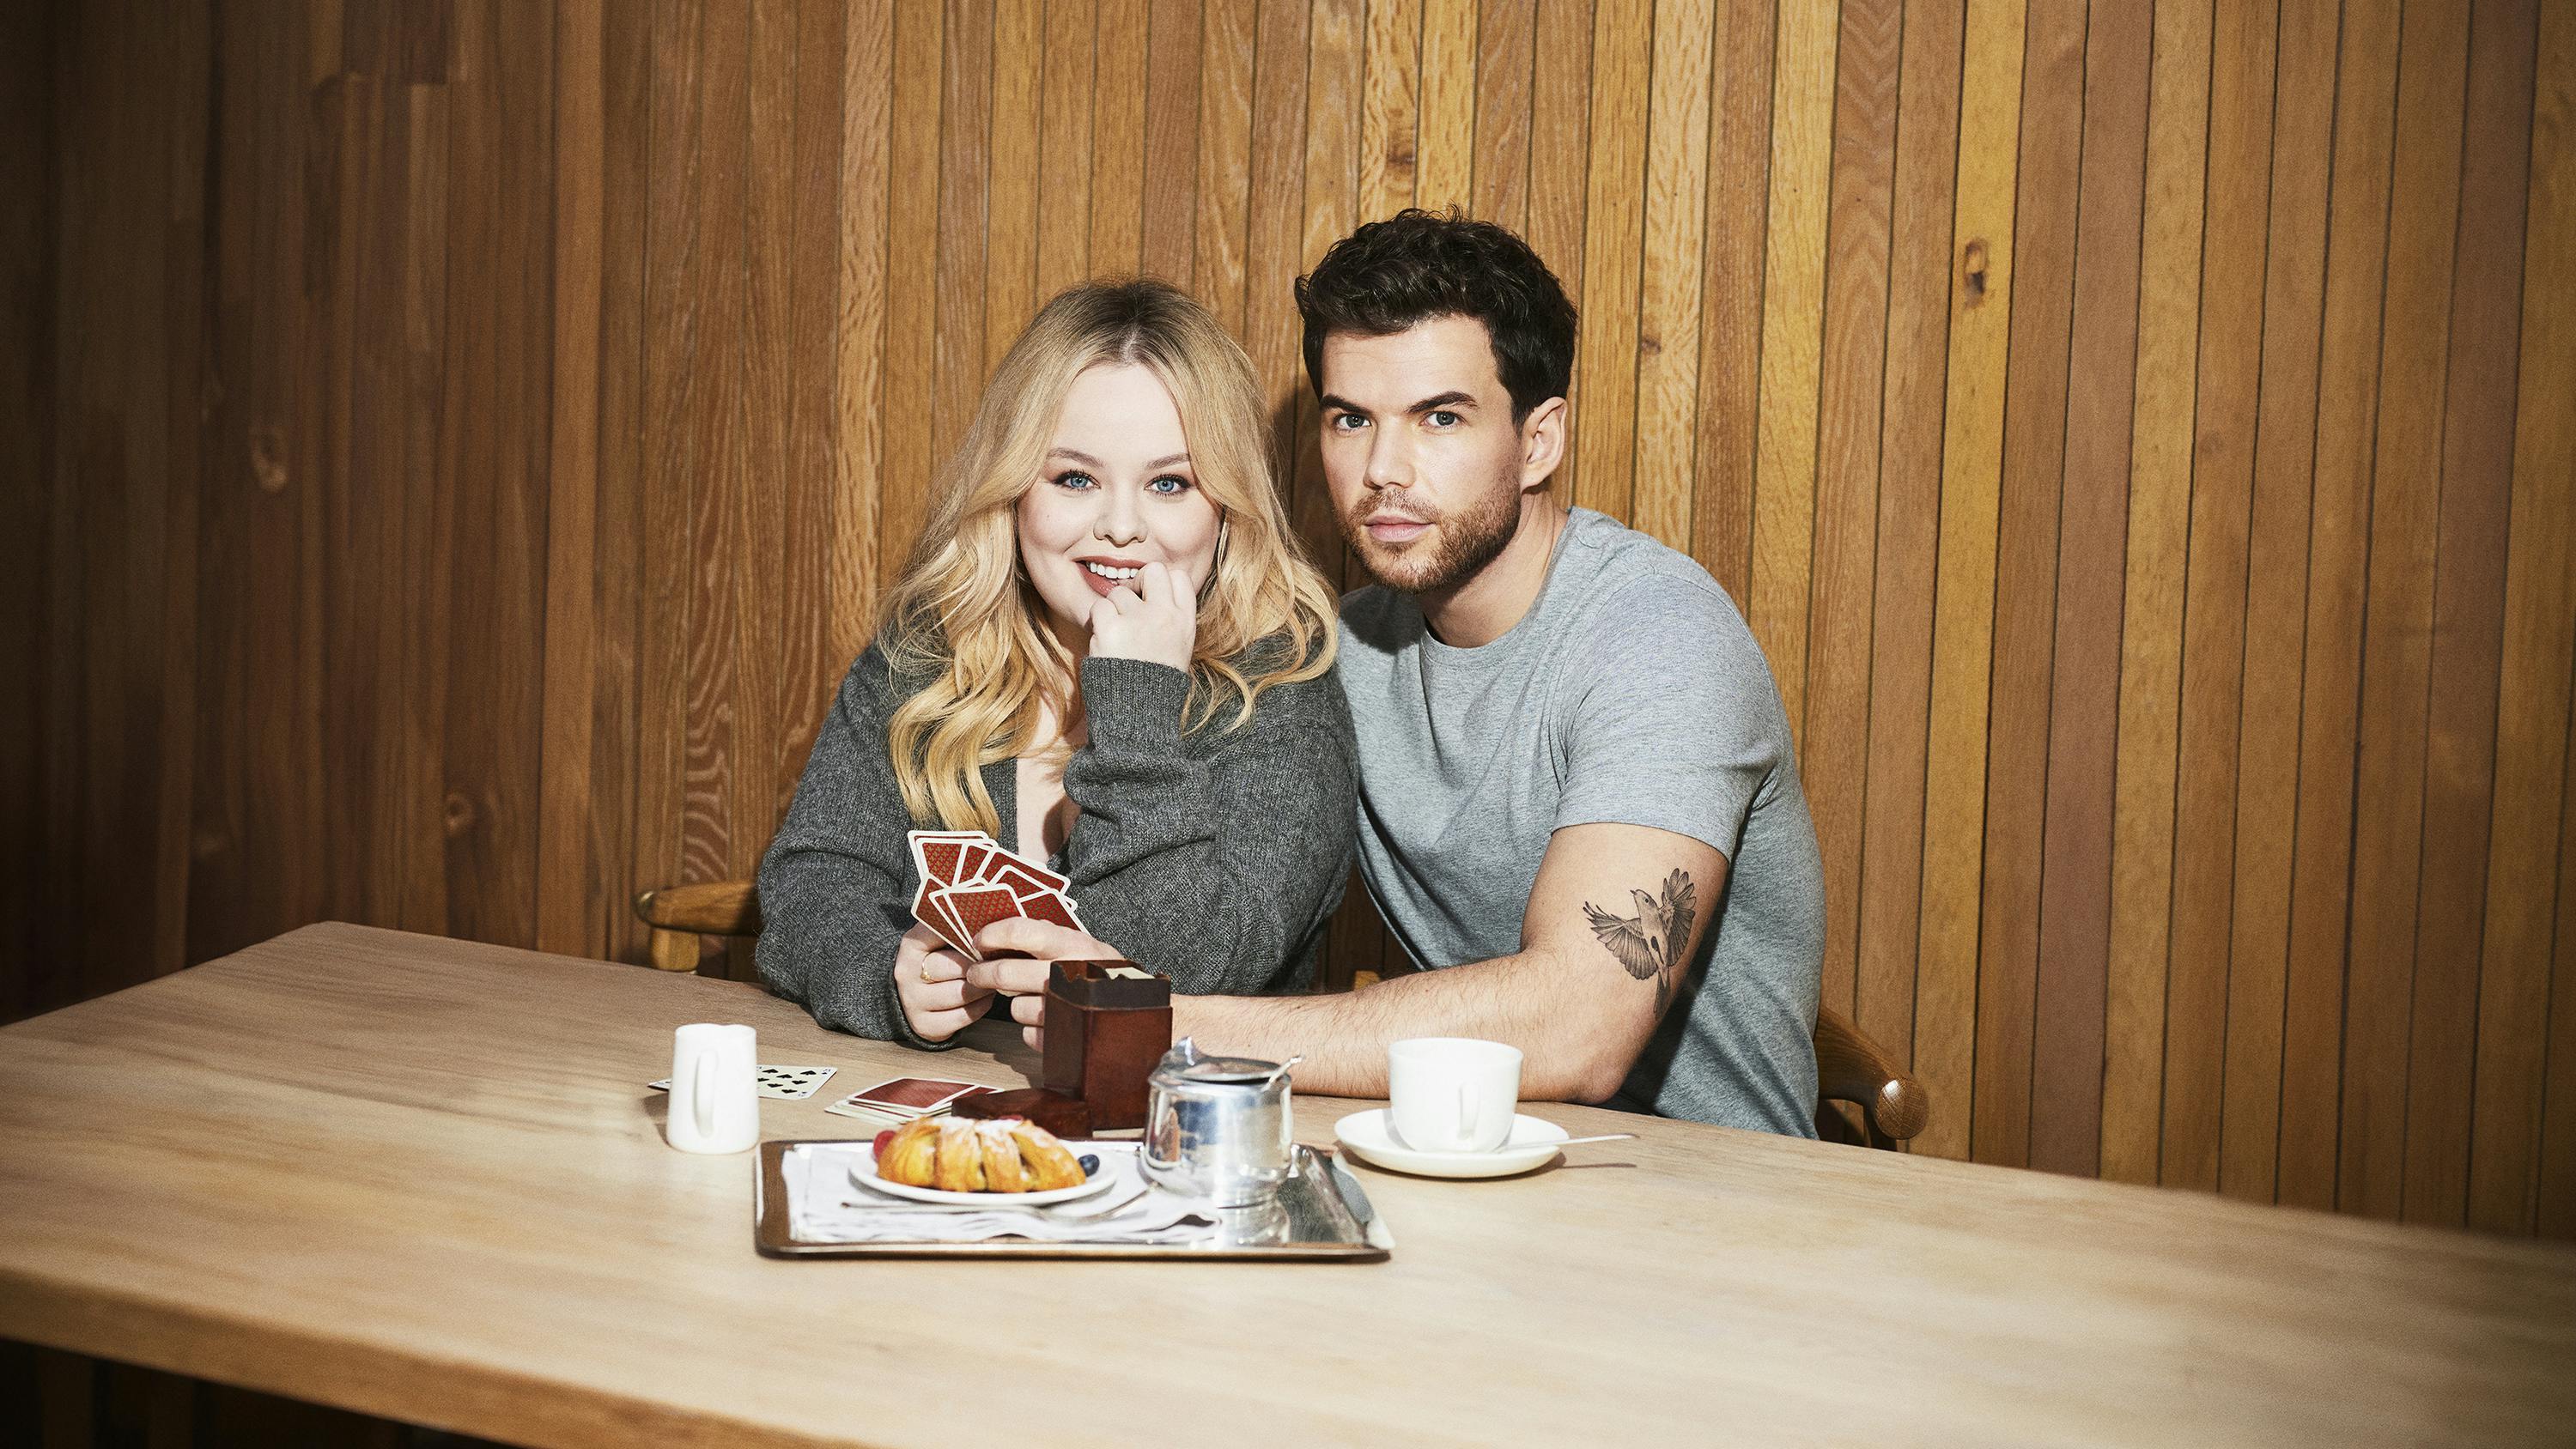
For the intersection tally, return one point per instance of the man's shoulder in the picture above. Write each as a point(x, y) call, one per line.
point(1619, 577)
point(1377, 622)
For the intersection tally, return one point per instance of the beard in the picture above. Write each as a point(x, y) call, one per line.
point(1459, 543)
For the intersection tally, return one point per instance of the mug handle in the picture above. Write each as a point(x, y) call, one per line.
point(1466, 1113)
point(702, 1093)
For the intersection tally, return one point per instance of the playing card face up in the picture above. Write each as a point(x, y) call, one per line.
point(786, 1083)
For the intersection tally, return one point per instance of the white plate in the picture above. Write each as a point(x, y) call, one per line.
point(1368, 1137)
point(1113, 1166)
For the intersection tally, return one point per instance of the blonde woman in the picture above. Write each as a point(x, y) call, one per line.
point(1108, 653)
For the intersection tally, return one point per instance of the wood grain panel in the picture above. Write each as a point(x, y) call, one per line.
point(469, 441)
point(2312, 1058)
point(1445, 121)
point(965, 192)
point(1793, 303)
point(1669, 302)
point(573, 922)
point(1275, 223)
point(1852, 369)
point(1909, 493)
point(1981, 286)
point(1168, 243)
point(2532, 704)
point(2397, 629)
point(1064, 147)
point(712, 468)
point(1604, 400)
point(1011, 295)
point(1225, 158)
point(2073, 967)
point(1334, 75)
point(2026, 565)
point(912, 247)
point(1390, 122)
point(1503, 79)
point(2267, 751)
point(762, 574)
point(2214, 642)
point(1730, 342)
point(1560, 143)
point(861, 344)
point(1118, 94)
point(2468, 611)
point(809, 662)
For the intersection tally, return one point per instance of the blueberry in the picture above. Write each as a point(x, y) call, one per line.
point(1089, 1164)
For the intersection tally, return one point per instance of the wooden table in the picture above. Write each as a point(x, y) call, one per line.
point(424, 1179)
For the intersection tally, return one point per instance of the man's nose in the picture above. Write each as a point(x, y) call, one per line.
point(1390, 465)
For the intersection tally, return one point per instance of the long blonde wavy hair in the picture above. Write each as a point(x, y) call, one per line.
point(964, 613)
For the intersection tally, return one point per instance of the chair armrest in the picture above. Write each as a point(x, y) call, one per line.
point(711, 908)
point(1852, 1068)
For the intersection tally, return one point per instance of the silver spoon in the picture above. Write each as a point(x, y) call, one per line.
point(1604, 1137)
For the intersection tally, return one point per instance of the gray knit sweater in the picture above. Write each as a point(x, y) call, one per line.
point(1215, 856)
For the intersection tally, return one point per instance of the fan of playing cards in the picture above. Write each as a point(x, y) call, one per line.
point(968, 882)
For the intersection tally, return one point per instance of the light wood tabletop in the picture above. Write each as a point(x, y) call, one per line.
point(425, 1179)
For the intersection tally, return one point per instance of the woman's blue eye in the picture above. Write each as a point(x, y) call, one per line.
point(1179, 485)
point(1075, 479)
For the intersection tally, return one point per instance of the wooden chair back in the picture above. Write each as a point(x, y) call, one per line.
point(1849, 1066)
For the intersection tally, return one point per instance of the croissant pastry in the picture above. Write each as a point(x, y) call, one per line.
point(1007, 1154)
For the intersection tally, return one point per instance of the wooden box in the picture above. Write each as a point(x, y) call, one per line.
point(1107, 1024)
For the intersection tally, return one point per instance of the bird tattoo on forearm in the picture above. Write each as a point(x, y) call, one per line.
point(1650, 943)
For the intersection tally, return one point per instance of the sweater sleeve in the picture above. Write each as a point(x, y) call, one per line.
point(1215, 858)
point(835, 884)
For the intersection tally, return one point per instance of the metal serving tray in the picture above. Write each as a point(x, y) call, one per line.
point(1319, 1215)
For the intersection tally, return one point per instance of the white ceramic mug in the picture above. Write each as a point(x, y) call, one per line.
point(715, 1088)
point(1452, 1093)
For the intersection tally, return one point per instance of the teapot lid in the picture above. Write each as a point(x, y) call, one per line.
point(1185, 1062)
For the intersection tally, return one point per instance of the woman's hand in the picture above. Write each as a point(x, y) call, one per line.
point(1156, 621)
point(1017, 952)
point(930, 981)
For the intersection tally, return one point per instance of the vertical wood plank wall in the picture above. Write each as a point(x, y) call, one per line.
point(455, 446)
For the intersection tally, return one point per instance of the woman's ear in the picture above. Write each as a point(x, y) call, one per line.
point(1216, 561)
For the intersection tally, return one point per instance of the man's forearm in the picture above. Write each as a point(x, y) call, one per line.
point(1344, 1037)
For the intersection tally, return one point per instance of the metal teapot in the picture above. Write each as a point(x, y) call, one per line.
point(1217, 1127)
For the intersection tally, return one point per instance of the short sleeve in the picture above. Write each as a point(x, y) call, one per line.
point(1668, 715)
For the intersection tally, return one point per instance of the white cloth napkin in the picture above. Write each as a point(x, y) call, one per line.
point(826, 1205)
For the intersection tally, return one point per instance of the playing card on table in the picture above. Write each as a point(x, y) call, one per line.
point(788, 1083)
point(903, 1098)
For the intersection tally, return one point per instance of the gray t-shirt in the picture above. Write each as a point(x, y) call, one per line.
point(1633, 693)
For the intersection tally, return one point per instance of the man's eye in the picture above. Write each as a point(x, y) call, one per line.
point(1075, 479)
point(1348, 422)
point(1177, 485)
point(1442, 418)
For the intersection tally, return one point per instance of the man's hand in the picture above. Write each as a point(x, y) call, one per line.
point(1156, 621)
point(1017, 952)
point(930, 982)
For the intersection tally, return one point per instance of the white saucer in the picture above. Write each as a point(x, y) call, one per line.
point(1367, 1136)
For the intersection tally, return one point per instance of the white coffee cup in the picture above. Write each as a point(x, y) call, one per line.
point(1452, 1093)
point(715, 1088)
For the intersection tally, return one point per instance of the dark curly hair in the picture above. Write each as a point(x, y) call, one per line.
point(1417, 265)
